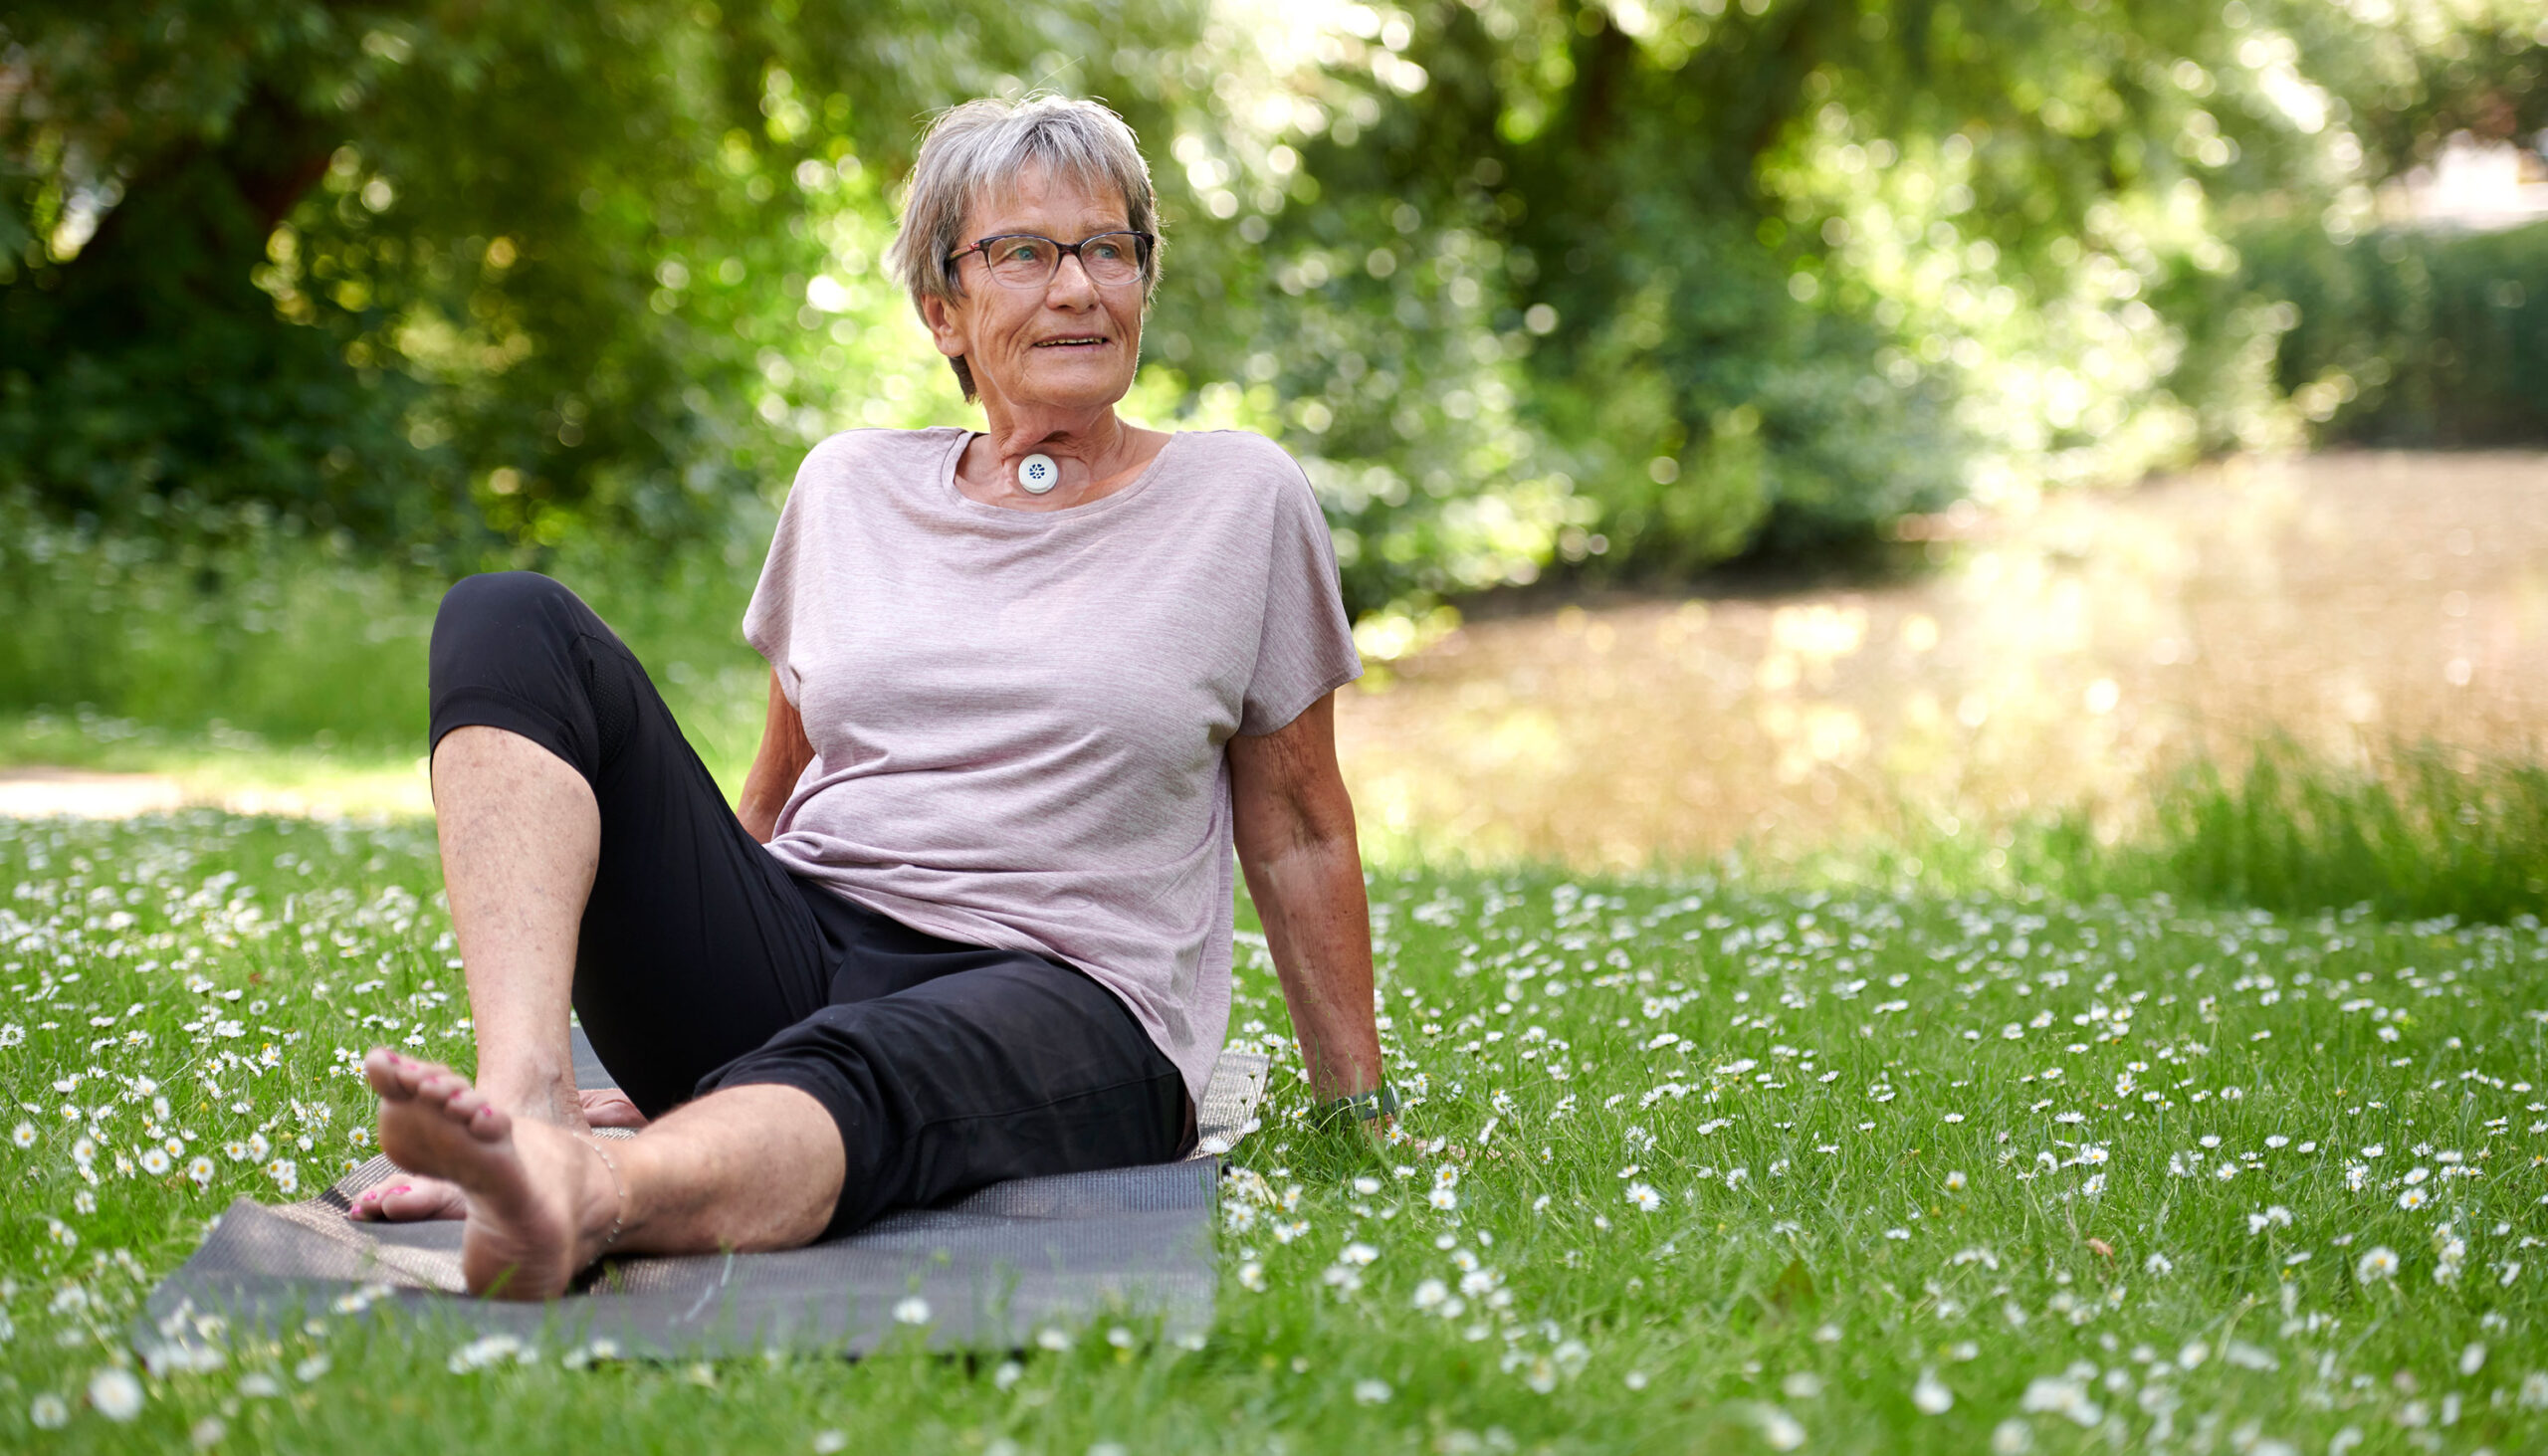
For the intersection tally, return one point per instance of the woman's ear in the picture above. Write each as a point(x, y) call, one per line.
point(946, 325)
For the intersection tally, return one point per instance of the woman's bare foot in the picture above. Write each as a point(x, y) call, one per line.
point(608, 1107)
point(409, 1199)
point(416, 1199)
point(537, 1199)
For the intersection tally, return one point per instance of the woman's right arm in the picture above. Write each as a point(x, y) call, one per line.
point(784, 752)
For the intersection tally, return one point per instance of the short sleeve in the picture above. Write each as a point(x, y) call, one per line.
point(770, 622)
point(1305, 648)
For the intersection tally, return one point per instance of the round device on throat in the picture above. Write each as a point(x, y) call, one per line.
point(1037, 474)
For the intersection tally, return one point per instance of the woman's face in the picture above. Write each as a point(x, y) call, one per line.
point(1071, 344)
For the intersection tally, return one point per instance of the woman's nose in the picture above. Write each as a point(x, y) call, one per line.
point(1071, 282)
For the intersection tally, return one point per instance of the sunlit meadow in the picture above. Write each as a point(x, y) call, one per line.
point(1687, 1164)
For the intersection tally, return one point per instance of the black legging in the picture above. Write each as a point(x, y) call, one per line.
point(702, 963)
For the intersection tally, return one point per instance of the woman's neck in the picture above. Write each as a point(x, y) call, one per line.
point(1095, 454)
point(1095, 440)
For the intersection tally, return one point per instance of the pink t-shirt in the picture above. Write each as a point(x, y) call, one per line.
point(1018, 715)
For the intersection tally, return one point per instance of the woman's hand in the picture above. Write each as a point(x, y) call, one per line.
point(784, 752)
point(1294, 826)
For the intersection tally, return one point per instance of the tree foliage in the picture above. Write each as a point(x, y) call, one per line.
point(1635, 285)
point(412, 268)
point(1816, 263)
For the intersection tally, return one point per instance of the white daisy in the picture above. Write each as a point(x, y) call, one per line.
point(115, 1394)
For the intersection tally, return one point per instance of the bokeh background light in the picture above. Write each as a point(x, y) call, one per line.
point(1724, 409)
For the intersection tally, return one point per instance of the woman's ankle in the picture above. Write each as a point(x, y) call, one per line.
point(541, 1097)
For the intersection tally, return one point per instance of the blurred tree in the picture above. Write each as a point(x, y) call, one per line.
point(147, 158)
point(2411, 338)
point(1635, 285)
point(409, 266)
point(1805, 265)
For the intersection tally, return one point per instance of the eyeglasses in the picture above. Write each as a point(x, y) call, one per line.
point(1027, 261)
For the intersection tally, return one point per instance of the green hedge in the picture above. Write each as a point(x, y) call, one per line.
point(2411, 337)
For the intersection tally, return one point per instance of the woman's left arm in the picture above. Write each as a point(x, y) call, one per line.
point(1294, 826)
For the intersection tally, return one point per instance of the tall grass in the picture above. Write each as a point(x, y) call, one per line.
point(248, 630)
point(2422, 831)
point(238, 635)
point(235, 632)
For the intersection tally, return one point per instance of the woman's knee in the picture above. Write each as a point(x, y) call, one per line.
point(519, 651)
point(511, 599)
point(508, 641)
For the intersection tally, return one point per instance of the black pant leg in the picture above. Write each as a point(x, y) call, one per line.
point(695, 946)
point(1012, 1069)
point(875, 955)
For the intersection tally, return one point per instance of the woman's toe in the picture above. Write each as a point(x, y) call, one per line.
point(412, 1202)
point(381, 1070)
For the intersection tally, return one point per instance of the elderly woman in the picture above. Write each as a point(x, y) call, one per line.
point(1030, 686)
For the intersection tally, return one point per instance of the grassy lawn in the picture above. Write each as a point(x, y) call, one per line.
point(218, 767)
point(1688, 1166)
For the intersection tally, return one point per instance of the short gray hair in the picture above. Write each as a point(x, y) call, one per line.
point(973, 150)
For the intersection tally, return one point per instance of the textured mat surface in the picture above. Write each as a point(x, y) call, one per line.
point(989, 1271)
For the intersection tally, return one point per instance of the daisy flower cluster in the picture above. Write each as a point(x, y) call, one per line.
point(178, 1001)
point(1751, 1166)
point(2005, 1127)
point(186, 1012)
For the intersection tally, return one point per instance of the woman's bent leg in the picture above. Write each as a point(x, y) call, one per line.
point(591, 859)
point(520, 835)
point(758, 1168)
point(693, 946)
point(1009, 1071)
point(1018, 1068)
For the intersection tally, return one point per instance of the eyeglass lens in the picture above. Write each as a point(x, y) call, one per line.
point(1030, 261)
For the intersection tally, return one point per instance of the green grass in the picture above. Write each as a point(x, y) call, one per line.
point(2422, 831)
point(194, 653)
point(2416, 831)
point(259, 659)
point(1925, 1099)
point(215, 766)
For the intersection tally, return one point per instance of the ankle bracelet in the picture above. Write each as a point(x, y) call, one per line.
point(619, 1210)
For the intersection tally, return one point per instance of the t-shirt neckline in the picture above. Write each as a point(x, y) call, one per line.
point(963, 502)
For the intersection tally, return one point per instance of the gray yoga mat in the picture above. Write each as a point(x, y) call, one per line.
point(993, 1270)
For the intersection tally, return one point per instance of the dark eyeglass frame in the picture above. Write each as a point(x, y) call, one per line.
point(1143, 242)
